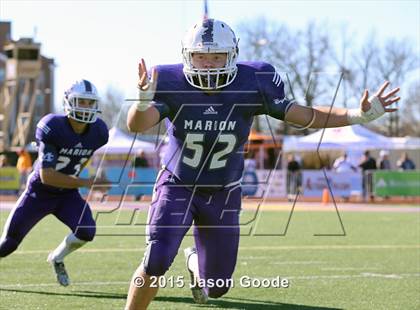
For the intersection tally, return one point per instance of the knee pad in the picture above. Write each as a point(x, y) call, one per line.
point(85, 233)
point(157, 259)
point(7, 246)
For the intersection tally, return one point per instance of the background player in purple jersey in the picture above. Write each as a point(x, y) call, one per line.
point(65, 143)
point(209, 103)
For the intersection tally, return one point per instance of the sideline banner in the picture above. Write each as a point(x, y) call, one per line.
point(342, 183)
point(396, 183)
point(140, 181)
point(257, 182)
point(127, 180)
point(9, 178)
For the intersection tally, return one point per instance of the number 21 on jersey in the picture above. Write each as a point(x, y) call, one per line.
point(64, 161)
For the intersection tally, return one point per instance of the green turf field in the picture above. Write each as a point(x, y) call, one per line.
point(376, 265)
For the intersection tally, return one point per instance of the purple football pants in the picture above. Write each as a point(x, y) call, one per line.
point(69, 208)
point(216, 229)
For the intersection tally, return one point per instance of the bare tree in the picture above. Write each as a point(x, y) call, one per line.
point(374, 63)
point(396, 59)
point(301, 56)
point(112, 107)
point(364, 62)
point(341, 57)
point(255, 35)
point(410, 121)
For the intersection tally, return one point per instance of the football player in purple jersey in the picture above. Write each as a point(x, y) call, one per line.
point(65, 144)
point(208, 103)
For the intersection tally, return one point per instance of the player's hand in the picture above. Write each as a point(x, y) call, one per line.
point(101, 183)
point(147, 87)
point(385, 100)
point(98, 183)
point(373, 107)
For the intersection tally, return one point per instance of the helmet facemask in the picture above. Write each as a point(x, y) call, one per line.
point(210, 36)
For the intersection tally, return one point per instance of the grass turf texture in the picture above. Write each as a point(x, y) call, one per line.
point(376, 265)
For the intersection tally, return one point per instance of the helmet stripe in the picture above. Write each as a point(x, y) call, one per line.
point(88, 86)
point(208, 33)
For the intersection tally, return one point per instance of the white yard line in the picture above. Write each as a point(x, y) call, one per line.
point(299, 263)
point(334, 247)
point(73, 284)
point(311, 262)
point(362, 275)
point(350, 268)
point(255, 248)
point(113, 206)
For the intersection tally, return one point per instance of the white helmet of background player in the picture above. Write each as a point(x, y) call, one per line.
point(81, 89)
point(210, 36)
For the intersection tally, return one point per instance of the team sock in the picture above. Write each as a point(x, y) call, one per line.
point(69, 244)
point(193, 264)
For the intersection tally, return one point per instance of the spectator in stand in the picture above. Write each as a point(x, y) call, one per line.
point(343, 164)
point(293, 175)
point(405, 163)
point(270, 159)
point(250, 177)
point(384, 163)
point(141, 161)
point(367, 164)
point(250, 163)
point(3, 161)
point(24, 166)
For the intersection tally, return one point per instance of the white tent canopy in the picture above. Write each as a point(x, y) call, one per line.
point(354, 137)
point(406, 143)
point(120, 142)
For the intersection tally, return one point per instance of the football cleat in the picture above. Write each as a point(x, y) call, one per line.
point(60, 271)
point(199, 296)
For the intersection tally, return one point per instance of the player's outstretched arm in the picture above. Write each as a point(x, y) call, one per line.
point(141, 115)
point(50, 176)
point(371, 108)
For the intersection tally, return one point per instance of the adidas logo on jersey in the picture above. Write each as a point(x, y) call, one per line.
point(278, 101)
point(210, 111)
point(79, 145)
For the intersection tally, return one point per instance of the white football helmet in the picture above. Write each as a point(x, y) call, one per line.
point(210, 36)
point(81, 89)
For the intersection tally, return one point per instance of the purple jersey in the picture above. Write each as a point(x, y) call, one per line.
point(207, 132)
point(64, 150)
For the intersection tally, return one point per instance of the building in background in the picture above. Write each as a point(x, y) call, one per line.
point(26, 88)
